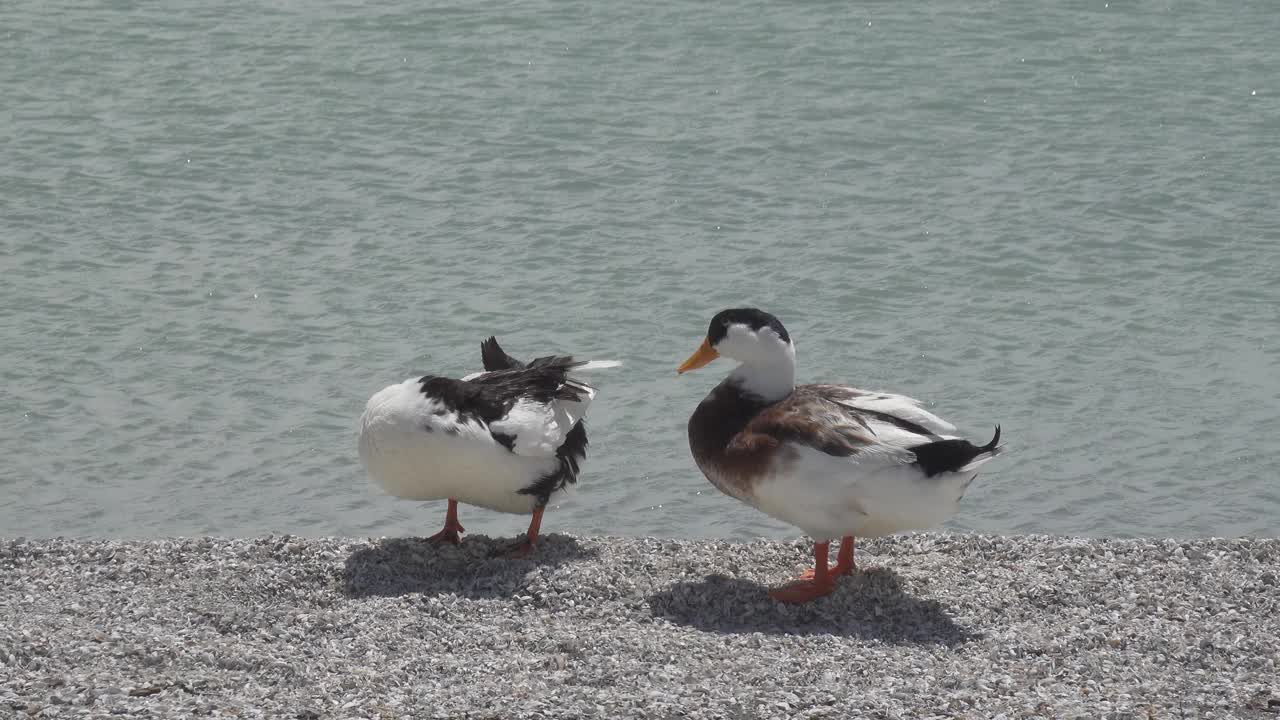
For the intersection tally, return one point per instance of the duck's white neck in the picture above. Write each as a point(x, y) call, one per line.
point(771, 379)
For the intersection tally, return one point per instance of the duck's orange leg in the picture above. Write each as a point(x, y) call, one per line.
point(452, 532)
point(806, 589)
point(526, 548)
point(844, 561)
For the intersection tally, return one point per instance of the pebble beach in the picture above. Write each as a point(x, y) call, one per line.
point(931, 626)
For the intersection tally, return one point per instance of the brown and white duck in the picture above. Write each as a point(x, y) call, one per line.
point(832, 460)
point(507, 438)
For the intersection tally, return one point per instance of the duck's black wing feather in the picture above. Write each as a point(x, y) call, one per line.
point(494, 358)
point(491, 396)
point(544, 380)
point(572, 452)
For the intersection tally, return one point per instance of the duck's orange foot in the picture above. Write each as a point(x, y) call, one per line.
point(526, 547)
point(803, 590)
point(450, 534)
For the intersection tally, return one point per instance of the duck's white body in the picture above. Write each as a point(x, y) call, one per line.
point(415, 447)
point(504, 439)
point(877, 491)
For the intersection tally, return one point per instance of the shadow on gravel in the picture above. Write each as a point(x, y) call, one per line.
point(870, 605)
point(474, 569)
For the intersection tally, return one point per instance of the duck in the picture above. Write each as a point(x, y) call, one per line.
point(834, 461)
point(507, 438)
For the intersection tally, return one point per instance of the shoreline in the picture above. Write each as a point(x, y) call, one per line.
point(933, 624)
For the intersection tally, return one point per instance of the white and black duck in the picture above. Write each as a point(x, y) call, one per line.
point(507, 438)
point(832, 460)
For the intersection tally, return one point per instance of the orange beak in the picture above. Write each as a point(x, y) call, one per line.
point(703, 355)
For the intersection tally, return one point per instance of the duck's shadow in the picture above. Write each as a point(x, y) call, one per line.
point(871, 605)
point(476, 569)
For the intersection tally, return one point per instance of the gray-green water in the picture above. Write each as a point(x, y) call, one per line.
point(225, 225)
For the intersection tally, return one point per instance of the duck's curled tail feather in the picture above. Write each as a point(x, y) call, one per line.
point(955, 455)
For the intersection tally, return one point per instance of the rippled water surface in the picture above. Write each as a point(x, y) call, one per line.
point(225, 225)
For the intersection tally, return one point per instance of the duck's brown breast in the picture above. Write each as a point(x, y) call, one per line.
point(733, 460)
point(737, 439)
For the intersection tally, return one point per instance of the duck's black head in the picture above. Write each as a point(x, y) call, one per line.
point(751, 318)
point(748, 335)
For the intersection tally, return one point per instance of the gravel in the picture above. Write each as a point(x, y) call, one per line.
point(935, 625)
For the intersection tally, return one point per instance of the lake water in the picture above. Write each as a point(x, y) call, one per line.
point(225, 225)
